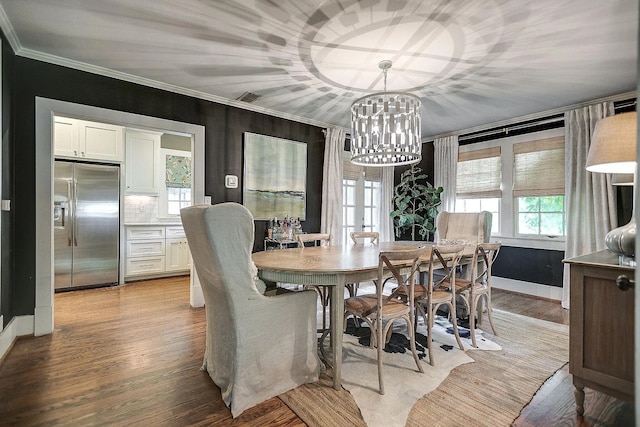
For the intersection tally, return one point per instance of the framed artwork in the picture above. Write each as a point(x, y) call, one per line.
point(275, 177)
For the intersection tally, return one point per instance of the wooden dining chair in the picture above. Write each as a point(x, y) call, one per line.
point(359, 238)
point(480, 286)
point(318, 239)
point(380, 311)
point(439, 290)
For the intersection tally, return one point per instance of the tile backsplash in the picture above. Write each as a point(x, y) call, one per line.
point(140, 208)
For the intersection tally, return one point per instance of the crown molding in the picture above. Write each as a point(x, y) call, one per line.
point(77, 65)
point(8, 31)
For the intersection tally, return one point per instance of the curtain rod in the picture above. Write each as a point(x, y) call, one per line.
point(534, 123)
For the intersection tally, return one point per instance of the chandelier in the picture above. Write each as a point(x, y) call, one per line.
point(385, 127)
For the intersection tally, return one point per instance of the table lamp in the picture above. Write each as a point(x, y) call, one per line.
point(613, 150)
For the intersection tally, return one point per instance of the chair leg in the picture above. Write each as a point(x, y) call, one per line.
point(428, 321)
point(454, 322)
point(380, 347)
point(472, 319)
point(412, 342)
point(489, 310)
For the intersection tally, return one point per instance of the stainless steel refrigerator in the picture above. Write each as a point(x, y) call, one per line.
point(86, 220)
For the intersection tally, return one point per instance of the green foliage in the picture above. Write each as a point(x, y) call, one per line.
point(415, 201)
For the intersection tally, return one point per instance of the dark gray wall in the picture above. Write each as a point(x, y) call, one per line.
point(224, 128)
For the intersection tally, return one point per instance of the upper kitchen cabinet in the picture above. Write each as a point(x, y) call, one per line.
point(142, 161)
point(81, 139)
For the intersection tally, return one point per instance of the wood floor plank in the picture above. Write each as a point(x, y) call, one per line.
point(131, 355)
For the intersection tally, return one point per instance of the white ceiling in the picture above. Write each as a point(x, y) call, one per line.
point(472, 62)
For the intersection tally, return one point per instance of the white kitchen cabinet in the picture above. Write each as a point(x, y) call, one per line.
point(145, 266)
point(81, 139)
point(156, 251)
point(177, 255)
point(137, 248)
point(142, 163)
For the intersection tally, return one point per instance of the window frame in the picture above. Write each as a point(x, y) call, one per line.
point(508, 203)
point(163, 198)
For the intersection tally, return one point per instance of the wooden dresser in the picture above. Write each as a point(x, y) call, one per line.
point(601, 354)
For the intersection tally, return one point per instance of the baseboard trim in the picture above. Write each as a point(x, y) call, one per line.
point(528, 288)
point(18, 326)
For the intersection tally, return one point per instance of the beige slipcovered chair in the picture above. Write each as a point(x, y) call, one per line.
point(257, 346)
point(467, 228)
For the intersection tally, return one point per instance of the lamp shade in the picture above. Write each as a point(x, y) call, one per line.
point(613, 145)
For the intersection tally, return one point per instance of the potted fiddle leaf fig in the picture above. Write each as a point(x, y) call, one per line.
point(415, 201)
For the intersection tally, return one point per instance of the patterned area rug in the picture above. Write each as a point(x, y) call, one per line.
point(490, 392)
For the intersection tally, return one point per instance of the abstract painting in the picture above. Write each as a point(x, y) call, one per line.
point(275, 177)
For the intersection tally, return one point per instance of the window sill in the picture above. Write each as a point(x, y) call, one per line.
point(542, 242)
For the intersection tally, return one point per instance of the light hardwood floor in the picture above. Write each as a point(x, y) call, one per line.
point(130, 355)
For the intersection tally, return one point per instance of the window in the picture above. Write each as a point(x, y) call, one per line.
point(478, 205)
point(177, 198)
point(175, 182)
point(360, 199)
point(541, 215)
point(538, 185)
point(520, 180)
point(478, 183)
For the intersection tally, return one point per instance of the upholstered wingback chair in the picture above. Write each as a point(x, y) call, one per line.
point(257, 346)
point(469, 228)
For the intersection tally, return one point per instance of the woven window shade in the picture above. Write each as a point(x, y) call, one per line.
point(351, 171)
point(479, 174)
point(373, 173)
point(538, 168)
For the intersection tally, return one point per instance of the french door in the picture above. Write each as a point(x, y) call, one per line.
point(360, 200)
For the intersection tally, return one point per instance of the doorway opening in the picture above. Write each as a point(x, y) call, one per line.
point(46, 110)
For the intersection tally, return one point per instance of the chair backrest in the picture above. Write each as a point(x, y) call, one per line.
point(318, 239)
point(485, 255)
point(396, 262)
point(221, 238)
point(356, 236)
point(468, 228)
point(444, 258)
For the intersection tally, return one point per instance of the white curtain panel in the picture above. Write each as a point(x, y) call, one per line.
point(331, 216)
point(590, 197)
point(386, 205)
point(444, 170)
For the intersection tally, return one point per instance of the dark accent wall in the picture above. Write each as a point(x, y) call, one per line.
point(426, 164)
point(530, 265)
point(6, 218)
point(224, 128)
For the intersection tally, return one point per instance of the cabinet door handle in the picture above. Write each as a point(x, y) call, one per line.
point(624, 283)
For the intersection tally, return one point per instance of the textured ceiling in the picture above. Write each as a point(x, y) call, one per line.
point(472, 62)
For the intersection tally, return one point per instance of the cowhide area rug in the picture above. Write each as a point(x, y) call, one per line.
point(404, 384)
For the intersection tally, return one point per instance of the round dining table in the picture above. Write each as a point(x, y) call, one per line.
point(333, 266)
